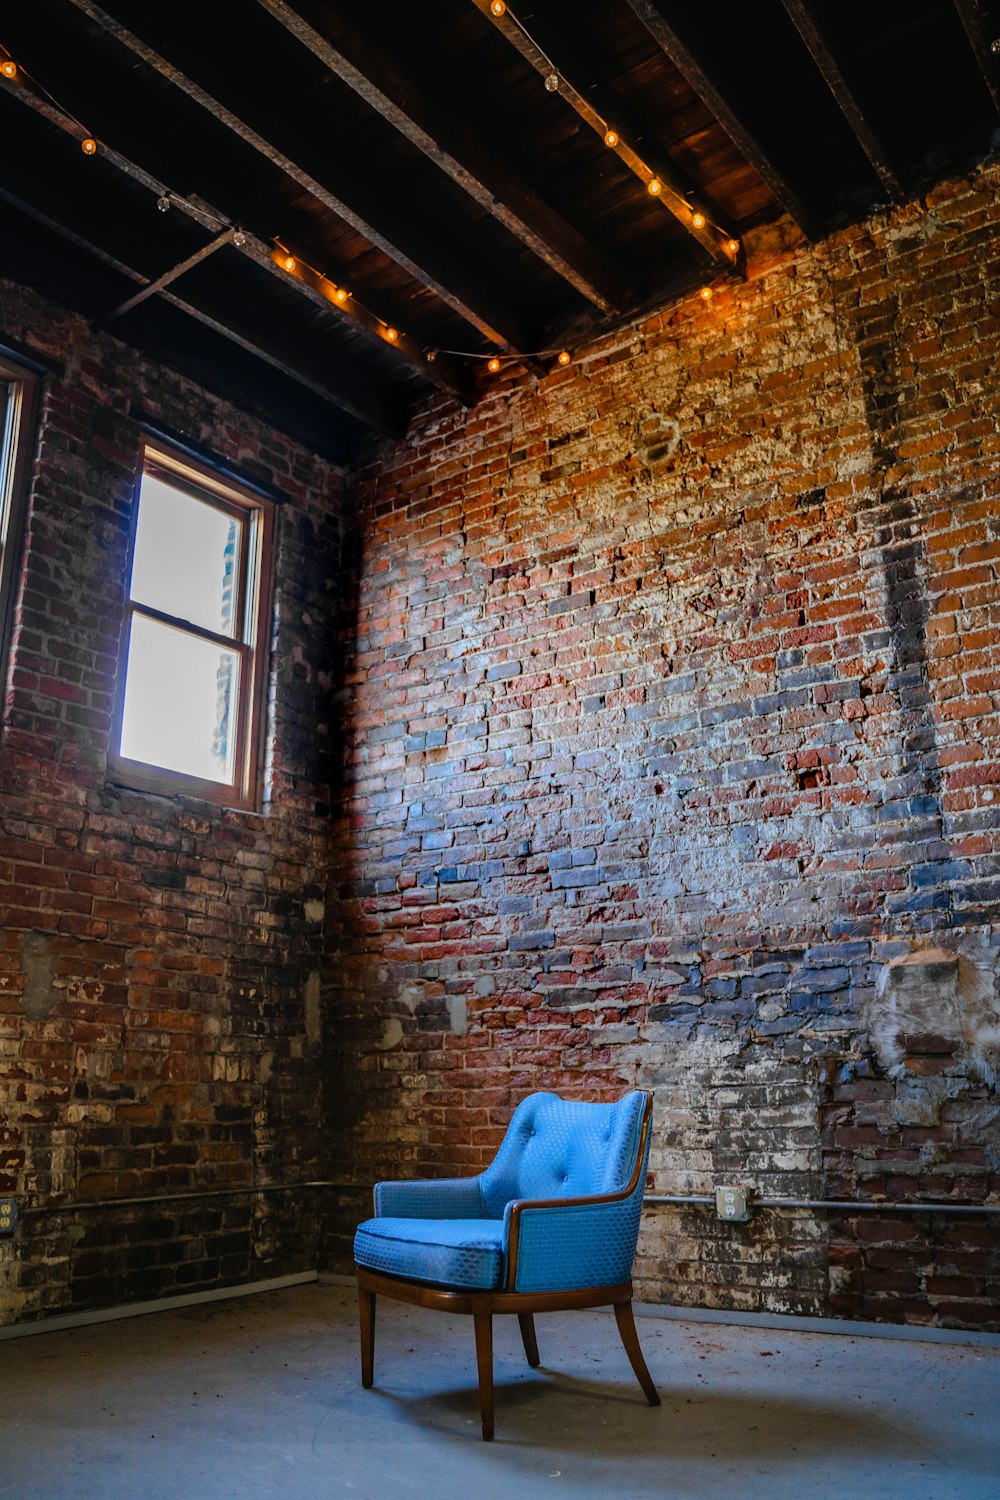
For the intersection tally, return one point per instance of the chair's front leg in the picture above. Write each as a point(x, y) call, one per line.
point(483, 1321)
point(626, 1327)
point(366, 1319)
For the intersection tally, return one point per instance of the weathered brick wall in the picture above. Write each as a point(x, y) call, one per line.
point(671, 708)
point(160, 1030)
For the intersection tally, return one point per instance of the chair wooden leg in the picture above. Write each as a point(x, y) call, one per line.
point(366, 1319)
point(484, 1361)
point(626, 1327)
point(527, 1326)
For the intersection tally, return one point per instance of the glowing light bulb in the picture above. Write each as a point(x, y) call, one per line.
point(89, 146)
point(610, 138)
point(163, 203)
point(498, 7)
point(552, 83)
point(565, 357)
point(239, 238)
point(654, 186)
point(734, 245)
point(289, 262)
point(8, 68)
point(698, 220)
point(430, 356)
point(392, 335)
point(341, 295)
point(493, 365)
point(706, 294)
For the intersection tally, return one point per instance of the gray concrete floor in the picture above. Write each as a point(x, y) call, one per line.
point(260, 1398)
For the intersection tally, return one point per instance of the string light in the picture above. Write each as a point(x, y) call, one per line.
point(672, 198)
point(340, 294)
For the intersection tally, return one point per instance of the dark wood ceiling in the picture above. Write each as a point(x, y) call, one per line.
point(413, 155)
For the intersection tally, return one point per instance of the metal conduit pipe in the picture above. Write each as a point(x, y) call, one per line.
point(151, 1199)
point(651, 1200)
point(872, 1206)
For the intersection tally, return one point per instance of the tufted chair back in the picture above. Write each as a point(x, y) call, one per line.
point(560, 1148)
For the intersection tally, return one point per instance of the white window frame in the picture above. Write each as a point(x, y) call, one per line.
point(17, 428)
point(251, 638)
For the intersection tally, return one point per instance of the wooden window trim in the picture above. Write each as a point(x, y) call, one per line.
point(17, 434)
point(252, 642)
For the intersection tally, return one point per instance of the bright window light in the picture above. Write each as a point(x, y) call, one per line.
point(192, 690)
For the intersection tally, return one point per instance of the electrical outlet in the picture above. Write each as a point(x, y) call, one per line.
point(8, 1215)
point(732, 1203)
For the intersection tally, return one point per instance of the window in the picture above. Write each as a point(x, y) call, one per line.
point(191, 696)
point(17, 402)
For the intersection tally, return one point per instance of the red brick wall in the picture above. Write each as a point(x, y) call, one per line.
point(171, 1039)
point(671, 717)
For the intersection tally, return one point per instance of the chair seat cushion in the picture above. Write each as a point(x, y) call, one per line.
point(465, 1253)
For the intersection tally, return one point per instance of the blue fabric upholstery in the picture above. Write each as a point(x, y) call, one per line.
point(439, 1198)
point(457, 1232)
point(465, 1253)
point(559, 1148)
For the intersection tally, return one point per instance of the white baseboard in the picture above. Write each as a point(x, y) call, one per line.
point(158, 1304)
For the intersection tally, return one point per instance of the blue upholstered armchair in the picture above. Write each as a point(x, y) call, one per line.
point(551, 1224)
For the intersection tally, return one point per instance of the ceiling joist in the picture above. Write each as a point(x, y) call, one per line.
point(453, 380)
point(460, 292)
point(668, 185)
point(225, 238)
point(971, 13)
point(453, 148)
point(804, 19)
point(697, 76)
point(373, 414)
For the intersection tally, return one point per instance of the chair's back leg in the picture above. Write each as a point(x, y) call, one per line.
point(527, 1326)
point(366, 1319)
point(626, 1327)
point(484, 1362)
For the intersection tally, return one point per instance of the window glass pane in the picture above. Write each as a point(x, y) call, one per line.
point(180, 702)
point(186, 557)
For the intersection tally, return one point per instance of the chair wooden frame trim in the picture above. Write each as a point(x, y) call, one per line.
point(483, 1304)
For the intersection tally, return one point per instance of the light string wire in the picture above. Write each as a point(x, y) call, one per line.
point(555, 81)
point(14, 72)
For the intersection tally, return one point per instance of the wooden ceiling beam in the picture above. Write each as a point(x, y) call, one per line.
point(803, 17)
point(152, 287)
point(451, 378)
point(674, 191)
point(374, 415)
point(696, 74)
point(461, 293)
point(372, 75)
point(971, 13)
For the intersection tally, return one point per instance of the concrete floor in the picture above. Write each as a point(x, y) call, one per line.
point(260, 1398)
